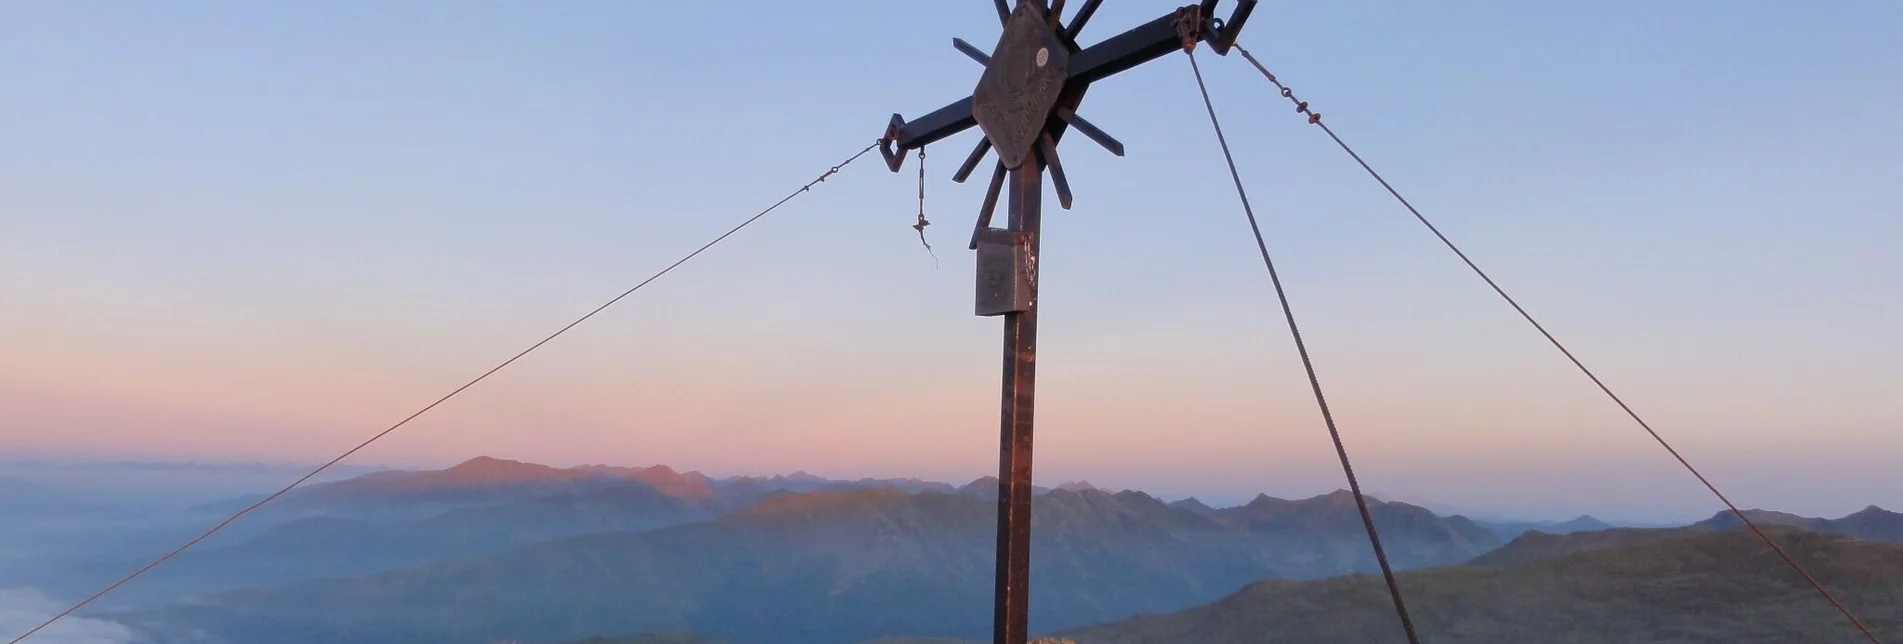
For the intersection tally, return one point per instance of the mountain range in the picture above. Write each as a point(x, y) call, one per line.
point(1507, 529)
point(392, 519)
point(497, 550)
point(1871, 523)
point(485, 481)
point(836, 565)
point(1691, 585)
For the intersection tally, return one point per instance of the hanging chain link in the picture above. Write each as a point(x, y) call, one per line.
point(922, 221)
point(1301, 106)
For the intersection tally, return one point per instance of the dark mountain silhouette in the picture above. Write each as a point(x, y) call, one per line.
point(692, 486)
point(1444, 509)
point(748, 487)
point(1194, 505)
point(1510, 529)
point(906, 484)
point(827, 566)
point(986, 487)
point(1871, 523)
point(492, 479)
point(1696, 586)
point(1581, 523)
point(486, 481)
point(1535, 545)
point(477, 482)
point(1326, 532)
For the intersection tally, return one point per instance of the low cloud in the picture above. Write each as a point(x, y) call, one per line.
point(24, 608)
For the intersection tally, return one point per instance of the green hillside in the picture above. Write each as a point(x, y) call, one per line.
point(1699, 587)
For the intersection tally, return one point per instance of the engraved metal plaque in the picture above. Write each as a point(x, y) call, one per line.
point(1021, 84)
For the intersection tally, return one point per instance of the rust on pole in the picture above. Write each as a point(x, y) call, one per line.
point(1013, 581)
point(1033, 82)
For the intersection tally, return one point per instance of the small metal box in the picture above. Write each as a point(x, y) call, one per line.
point(1005, 281)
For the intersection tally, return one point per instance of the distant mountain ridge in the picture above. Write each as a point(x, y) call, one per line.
point(1194, 505)
point(1536, 545)
point(1413, 536)
point(1871, 523)
point(1688, 585)
point(489, 474)
point(834, 566)
point(1685, 586)
point(1511, 529)
point(493, 549)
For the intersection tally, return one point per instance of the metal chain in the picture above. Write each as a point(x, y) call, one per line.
point(922, 221)
point(1301, 106)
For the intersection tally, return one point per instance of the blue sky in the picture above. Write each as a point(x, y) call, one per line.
point(238, 231)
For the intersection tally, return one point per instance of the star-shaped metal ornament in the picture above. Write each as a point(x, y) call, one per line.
point(1034, 79)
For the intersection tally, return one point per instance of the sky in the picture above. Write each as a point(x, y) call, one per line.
point(240, 232)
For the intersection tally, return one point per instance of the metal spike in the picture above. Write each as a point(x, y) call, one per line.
point(971, 162)
point(1090, 131)
point(1057, 170)
point(973, 52)
point(990, 205)
point(1004, 11)
point(1083, 16)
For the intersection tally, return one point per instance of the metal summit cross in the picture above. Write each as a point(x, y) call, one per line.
point(1026, 99)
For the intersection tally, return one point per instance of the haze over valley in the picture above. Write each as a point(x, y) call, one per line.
point(500, 550)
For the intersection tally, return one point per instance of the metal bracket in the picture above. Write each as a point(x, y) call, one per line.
point(1221, 34)
point(893, 159)
point(1189, 25)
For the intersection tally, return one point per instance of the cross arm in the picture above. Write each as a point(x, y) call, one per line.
point(925, 130)
point(1157, 38)
point(1124, 51)
point(1179, 29)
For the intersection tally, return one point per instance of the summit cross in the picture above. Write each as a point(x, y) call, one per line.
point(1033, 82)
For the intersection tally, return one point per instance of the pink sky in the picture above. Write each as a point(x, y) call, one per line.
point(242, 239)
point(1208, 407)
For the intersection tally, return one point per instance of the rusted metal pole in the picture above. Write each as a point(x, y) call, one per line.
point(1026, 99)
point(1011, 613)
